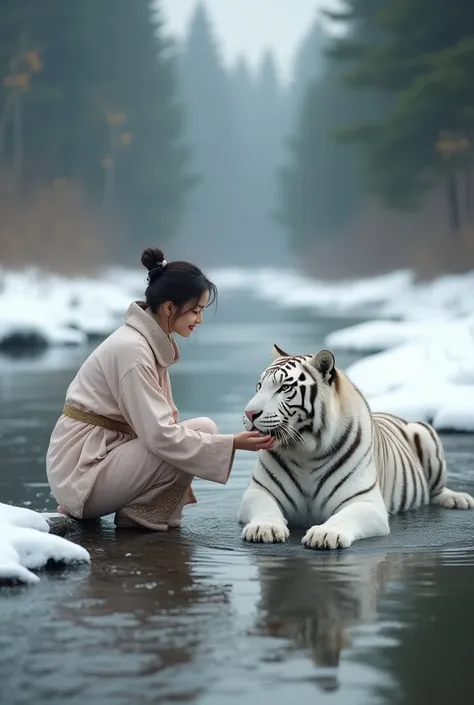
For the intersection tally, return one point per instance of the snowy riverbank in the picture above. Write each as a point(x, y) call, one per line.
point(418, 342)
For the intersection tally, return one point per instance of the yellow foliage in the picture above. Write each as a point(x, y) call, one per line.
point(449, 144)
point(116, 118)
point(59, 183)
point(33, 59)
point(21, 80)
point(107, 162)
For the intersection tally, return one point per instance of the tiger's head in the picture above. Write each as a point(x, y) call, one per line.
point(292, 399)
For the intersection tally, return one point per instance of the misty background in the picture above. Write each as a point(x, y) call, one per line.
point(251, 133)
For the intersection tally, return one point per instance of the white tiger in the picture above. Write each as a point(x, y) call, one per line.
point(335, 466)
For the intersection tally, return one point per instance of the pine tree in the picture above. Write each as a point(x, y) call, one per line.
point(143, 121)
point(267, 151)
point(99, 111)
point(212, 217)
point(243, 97)
point(259, 110)
point(425, 56)
point(309, 65)
point(322, 187)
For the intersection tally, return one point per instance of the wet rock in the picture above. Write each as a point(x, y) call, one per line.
point(61, 525)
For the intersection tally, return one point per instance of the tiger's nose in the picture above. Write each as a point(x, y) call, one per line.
point(252, 415)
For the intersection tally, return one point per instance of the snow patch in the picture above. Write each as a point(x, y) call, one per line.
point(26, 545)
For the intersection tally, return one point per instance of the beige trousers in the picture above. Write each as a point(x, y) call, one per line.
point(140, 488)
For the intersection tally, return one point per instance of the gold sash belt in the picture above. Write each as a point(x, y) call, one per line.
point(96, 420)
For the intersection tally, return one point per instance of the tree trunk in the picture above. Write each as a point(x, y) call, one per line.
point(453, 203)
point(468, 193)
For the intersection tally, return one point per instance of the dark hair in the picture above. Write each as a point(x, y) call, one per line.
point(178, 282)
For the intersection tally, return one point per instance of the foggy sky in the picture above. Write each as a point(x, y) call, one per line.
point(251, 26)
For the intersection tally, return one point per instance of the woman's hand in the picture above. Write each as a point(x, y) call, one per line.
point(252, 440)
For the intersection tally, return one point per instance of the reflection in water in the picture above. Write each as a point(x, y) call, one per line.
point(421, 611)
point(431, 657)
point(314, 604)
point(144, 620)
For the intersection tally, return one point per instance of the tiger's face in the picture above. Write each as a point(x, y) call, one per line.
point(291, 396)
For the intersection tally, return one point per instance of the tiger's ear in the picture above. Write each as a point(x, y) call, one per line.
point(325, 363)
point(278, 352)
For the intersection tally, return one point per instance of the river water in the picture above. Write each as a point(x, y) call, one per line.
point(195, 616)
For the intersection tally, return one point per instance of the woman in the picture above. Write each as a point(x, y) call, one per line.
point(118, 447)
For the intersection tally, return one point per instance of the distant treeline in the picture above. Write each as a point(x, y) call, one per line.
point(380, 171)
point(113, 136)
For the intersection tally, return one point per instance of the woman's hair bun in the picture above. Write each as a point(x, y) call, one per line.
point(152, 257)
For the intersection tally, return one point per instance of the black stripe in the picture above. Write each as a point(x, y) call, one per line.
point(404, 487)
point(257, 482)
point(340, 462)
point(414, 501)
point(279, 485)
point(419, 449)
point(340, 443)
point(302, 389)
point(356, 494)
point(323, 417)
point(313, 392)
point(339, 484)
point(434, 485)
point(438, 451)
point(279, 460)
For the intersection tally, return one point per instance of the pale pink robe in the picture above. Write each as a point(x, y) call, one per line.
point(145, 477)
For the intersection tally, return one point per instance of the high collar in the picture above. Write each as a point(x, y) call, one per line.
point(142, 319)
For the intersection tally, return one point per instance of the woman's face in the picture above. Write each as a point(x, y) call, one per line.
point(185, 324)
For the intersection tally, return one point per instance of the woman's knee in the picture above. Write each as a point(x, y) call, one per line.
point(203, 424)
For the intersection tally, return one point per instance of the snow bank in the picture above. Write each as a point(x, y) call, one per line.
point(422, 334)
point(375, 336)
point(426, 373)
point(289, 289)
point(41, 310)
point(446, 298)
point(394, 296)
point(57, 311)
point(27, 545)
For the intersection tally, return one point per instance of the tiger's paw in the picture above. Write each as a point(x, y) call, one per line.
point(453, 500)
point(325, 538)
point(265, 532)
